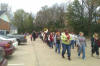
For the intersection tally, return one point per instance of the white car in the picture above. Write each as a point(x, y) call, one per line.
point(15, 42)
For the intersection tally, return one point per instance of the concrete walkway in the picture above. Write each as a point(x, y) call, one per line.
point(46, 56)
point(37, 53)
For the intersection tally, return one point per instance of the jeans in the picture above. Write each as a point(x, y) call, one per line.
point(57, 48)
point(75, 43)
point(82, 50)
point(95, 49)
point(72, 43)
point(48, 43)
point(51, 44)
point(64, 47)
point(34, 38)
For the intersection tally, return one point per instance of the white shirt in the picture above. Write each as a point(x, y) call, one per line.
point(72, 36)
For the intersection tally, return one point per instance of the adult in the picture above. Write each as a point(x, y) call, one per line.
point(81, 45)
point(51, 39)
point(95, 45)
point(34, 35)
point(65, 38)
point(31, 37)
point(41, 36)
point(57, 42)
point(72, 40)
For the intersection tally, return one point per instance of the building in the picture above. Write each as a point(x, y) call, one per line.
point(5, 25)
point(13, 29)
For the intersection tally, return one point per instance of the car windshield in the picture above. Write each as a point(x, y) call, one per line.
point(4, 36)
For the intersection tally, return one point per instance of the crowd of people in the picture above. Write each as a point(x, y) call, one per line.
point(69, 41)
point(33, 36)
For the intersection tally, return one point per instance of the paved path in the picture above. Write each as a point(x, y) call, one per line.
point(37, 53)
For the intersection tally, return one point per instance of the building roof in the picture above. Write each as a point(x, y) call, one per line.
point(1, 12)
point(4, 16)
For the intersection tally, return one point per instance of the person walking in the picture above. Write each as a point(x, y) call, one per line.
point(57, 42)
point(72, 40)
point(95, 45)
point(31, 37)
point(34, 35)
point(41, 36)
point(51, 39)
point(81, 45)
point(76, 37)
point(65, 38)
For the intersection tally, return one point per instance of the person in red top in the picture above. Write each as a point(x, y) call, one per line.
point(51, 39)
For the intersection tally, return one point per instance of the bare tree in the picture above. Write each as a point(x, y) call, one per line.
point(51, 17)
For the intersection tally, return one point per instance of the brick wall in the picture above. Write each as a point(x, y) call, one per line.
point(4, 25)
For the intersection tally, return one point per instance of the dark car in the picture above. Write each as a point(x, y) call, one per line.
point(3, 61)
point(8, 47)
point(20, 38)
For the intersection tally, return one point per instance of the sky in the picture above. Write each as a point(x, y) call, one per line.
point(31, 5)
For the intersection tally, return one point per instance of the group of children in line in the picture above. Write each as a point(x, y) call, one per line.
point(70, 40)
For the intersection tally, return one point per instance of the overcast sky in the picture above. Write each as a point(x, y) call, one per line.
point(31, 5)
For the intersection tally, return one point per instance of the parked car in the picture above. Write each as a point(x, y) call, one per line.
point(14, 40)
point(20, 38)
point(8, 47)
point(3, 61)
